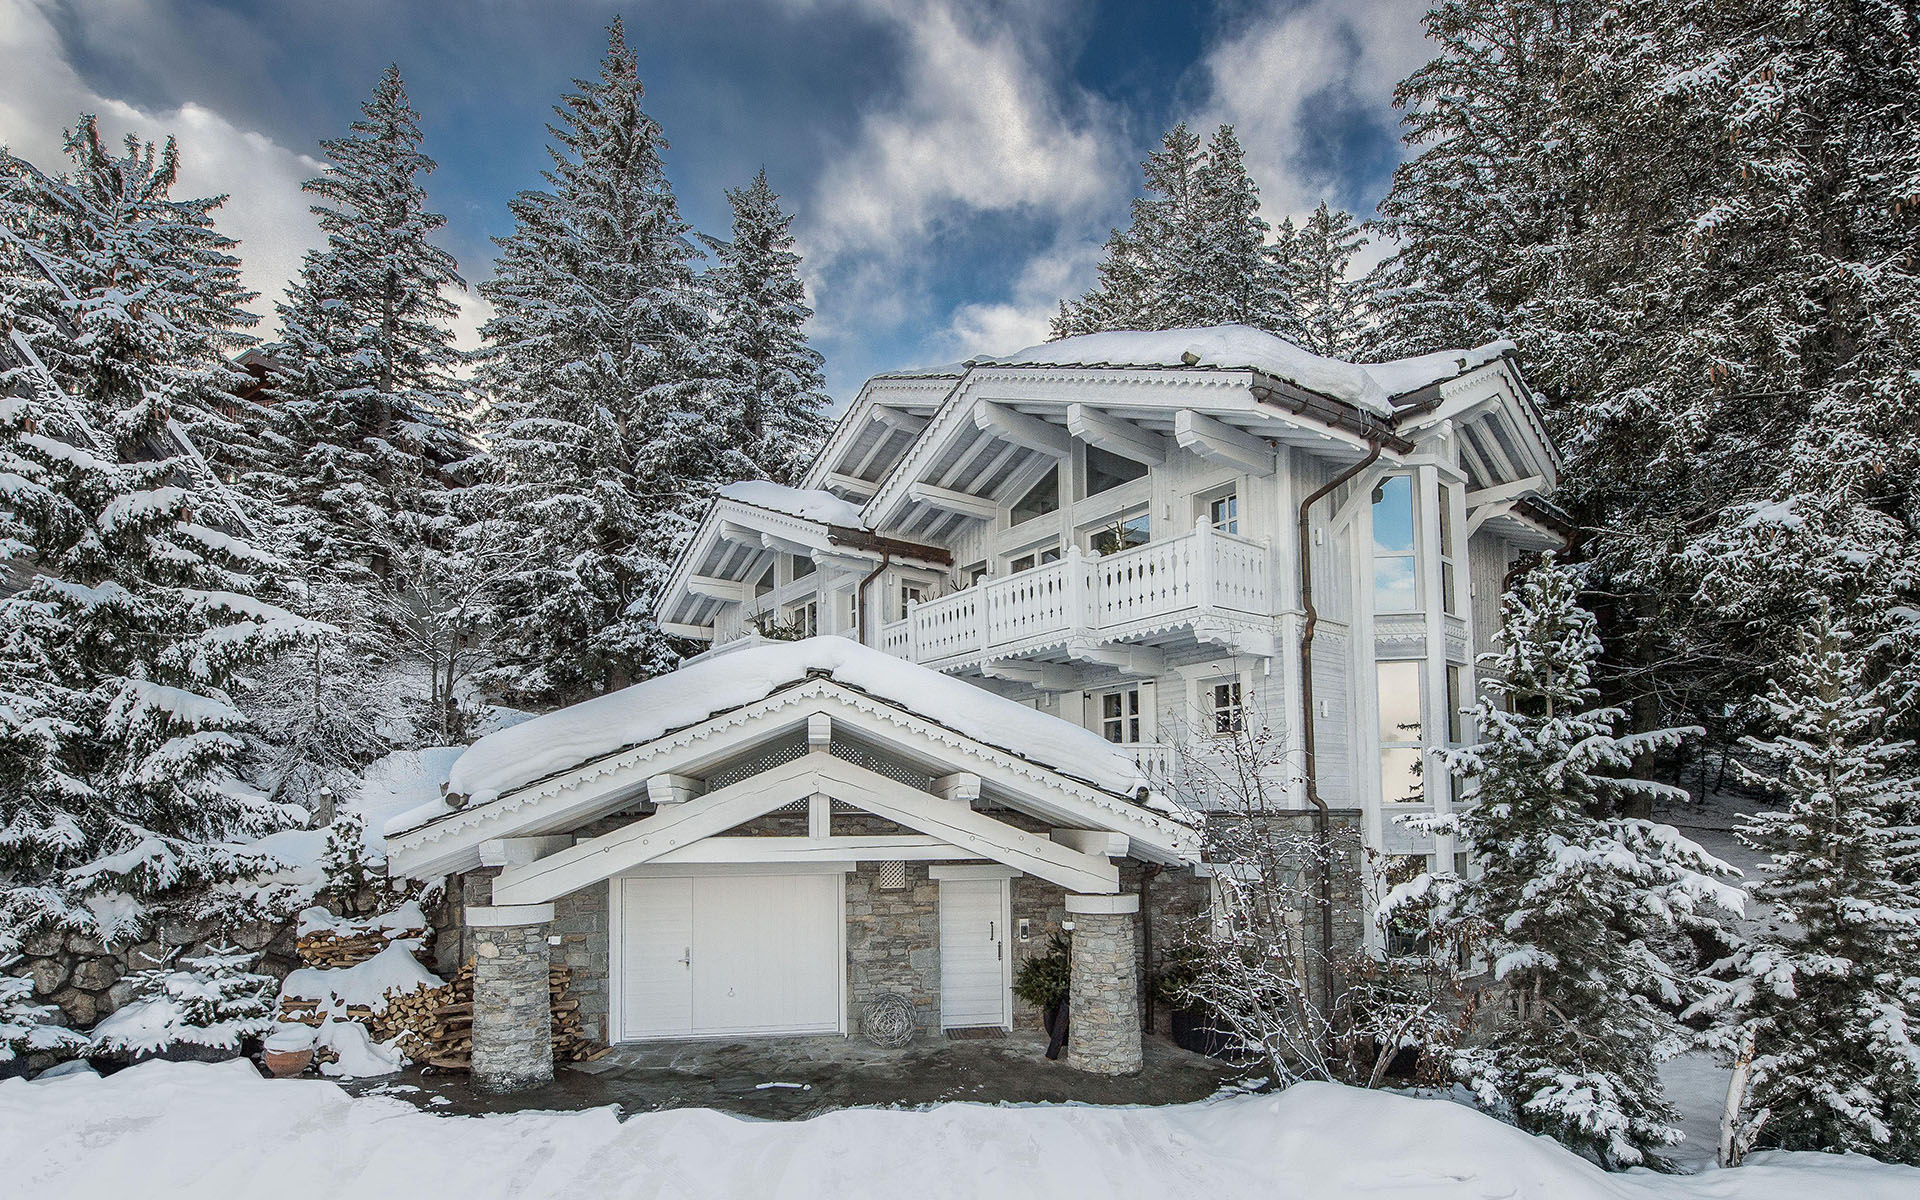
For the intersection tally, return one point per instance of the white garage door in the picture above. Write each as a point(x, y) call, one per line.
point(711, 955)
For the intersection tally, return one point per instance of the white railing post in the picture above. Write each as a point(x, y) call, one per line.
point(913, 631)
point(1077, 617)
point(986, 617)
point(1203, 570)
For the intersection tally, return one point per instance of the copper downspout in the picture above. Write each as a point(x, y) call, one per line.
point(1321, 817)
point(860, 594)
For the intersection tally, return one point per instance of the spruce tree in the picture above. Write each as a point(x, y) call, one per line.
point(605, 431)
point(1574, 904)
point(136, 604)
point(1829, 987)
point(1329, 306)
point(364, 392)
point(768, 380)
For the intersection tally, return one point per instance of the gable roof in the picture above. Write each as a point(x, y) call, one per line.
point(512, 758)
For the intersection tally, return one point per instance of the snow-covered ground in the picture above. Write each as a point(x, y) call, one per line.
point(205, 1131)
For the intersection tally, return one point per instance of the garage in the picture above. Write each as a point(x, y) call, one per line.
point(728, 955)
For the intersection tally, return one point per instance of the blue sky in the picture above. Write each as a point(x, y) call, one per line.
point(954, 165)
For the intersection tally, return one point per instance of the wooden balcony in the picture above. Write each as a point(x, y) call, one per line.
point(1190, 586)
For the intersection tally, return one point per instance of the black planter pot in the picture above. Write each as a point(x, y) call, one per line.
point(1192, 1030)
point(1055, 1020)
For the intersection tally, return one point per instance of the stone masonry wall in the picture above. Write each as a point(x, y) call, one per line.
point(512, 1013)
point(893, 944)
point(1104, 1007)
point(580, 922)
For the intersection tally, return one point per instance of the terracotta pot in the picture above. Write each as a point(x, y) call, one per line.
point(283, 1063)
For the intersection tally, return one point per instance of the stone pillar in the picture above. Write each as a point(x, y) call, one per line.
point(1103, 1006)
point(512, 1013)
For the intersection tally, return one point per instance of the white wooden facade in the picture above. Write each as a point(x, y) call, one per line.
point(1161, 582)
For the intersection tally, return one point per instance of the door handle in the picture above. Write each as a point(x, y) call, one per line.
point(989, 930)
point(686, 957)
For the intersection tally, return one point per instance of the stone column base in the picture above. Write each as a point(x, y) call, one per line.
point(1103, 1005)
point(512, 1012)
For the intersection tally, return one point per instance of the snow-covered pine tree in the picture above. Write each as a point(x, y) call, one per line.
point(767, 378)
point(1329, 305)
point(1574, 904)
point(27, 1027)
point(134, 608)
point(212, 1001)
point(603, 425)
point(1830, 987)
point(1196, 251)
point(363, 390)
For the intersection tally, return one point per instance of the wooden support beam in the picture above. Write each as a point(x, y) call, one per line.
point(1506, 491)
point(962, 787)
point(819, 731)
point(851, 484)
point(898, 419)
point(1010, 425)
point(888, 847)
point(733, 591)
point(1046, 677)
point(1111, 434)
point(1094, 841)
point(1130, 660)
point(513, 851)
point(819, 815)
point(697, 633)
point(951, 501)
point(673, 789)
point(1218, 442)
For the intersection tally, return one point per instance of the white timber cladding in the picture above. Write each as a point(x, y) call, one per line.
point(1134, 532)
point(976, 969)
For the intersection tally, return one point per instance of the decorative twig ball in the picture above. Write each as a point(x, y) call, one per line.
point(888, 1020)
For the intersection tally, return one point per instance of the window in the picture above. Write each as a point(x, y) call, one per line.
point(1106, 471)
point(910, 594)
point(973, 574)
point(1400, 732)
point(1393, 570)
point(802, 566)
point(1223, 512)
point(804, 619)
point(1456, 720)
point(1033, 558)
point(1226, 714)
point(764, 584)
point(1128, 530)
point(1041, 499)
point(1447, 603)
point(853, 612)
point(1120, 716)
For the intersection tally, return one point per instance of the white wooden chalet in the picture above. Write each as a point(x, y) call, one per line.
point(1065, 570)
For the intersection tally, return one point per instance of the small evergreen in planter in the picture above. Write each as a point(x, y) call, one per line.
point(208, 1008)
point(1043, 981)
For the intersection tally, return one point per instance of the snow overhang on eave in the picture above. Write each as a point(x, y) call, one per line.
point(452, 841)
point(763, 532)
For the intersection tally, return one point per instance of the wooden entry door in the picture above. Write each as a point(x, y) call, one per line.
point(975, 969)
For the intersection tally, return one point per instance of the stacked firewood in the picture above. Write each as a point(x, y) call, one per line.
point(329, 949)
point(449, 1039)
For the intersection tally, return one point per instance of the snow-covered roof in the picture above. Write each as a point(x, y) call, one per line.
point(1367, 386)
point(570, 737)
point(808, 504)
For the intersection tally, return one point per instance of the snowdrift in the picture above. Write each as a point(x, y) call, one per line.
point(196, 1130)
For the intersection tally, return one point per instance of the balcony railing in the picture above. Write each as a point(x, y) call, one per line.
point(1089, 596)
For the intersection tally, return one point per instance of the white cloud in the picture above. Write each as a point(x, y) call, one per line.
point(266, 210)
point(1264, 77)
point(1023, 318)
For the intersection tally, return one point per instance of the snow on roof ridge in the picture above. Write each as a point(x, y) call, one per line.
point(559, 741)
point(1367, 386)
point(810, 504)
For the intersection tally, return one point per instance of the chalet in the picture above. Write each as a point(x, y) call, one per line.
point(1025, 591)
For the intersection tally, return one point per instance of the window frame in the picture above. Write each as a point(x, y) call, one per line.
point(1129, 716)
point(1410, 556)
point(1396, 742)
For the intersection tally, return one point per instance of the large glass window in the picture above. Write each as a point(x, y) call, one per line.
point(1401, 776)
point(1128, 530)
point(1394, 587)
point(1447, 602)
point(1106, 471)
point(1041, 499)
